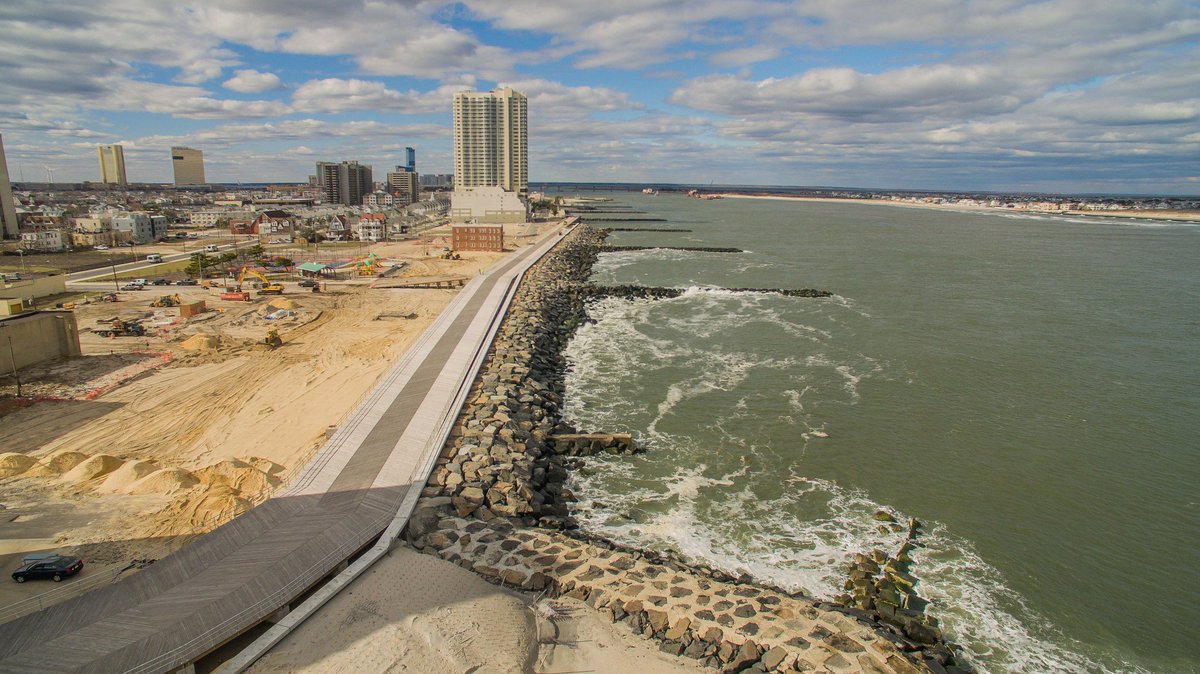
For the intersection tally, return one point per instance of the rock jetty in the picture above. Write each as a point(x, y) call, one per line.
point(694, 249)
point(497, 503)
point(646, 229)
point(649, 292)
point(589, 218)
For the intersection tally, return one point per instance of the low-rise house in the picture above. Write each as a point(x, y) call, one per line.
point(91, 231)
point(378, 199)
point(372, 227)
point(48, 240)
point(133, 227)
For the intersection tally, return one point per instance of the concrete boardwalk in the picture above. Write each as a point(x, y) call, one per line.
point(230, 579)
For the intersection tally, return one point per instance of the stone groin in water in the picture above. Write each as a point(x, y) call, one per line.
point(497, 503)
point(588, 218)
point(646, 229)
point(693, 249)
point(635, 292)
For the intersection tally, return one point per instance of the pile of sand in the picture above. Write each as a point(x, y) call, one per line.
point(165, 481)
point(265, 465)
point(56, 464)
point(238, 476)
point(218, 504)
point(129, 472)
point(92, 468)
point(283, 303)
point(201, 342)
point(12, 463)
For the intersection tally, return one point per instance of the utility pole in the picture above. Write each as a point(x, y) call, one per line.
point(114, 271)
point(12, 357)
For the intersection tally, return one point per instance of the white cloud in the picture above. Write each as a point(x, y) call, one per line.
point(253, 82)
point(745, 55)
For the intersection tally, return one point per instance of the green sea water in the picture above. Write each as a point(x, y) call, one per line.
point(1026, 386)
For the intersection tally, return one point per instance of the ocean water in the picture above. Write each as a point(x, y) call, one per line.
point(1026, 386)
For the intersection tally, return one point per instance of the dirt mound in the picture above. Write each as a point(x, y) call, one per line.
point(12, 463)
point(92, 468)
point(56, 464)
point(201, 343)
point(265, 465)
point(218, 504)
point(165, 481)
point(283, 303)
point(127, 474)
point(238, 475)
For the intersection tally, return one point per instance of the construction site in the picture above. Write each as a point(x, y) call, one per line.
point(192, 403)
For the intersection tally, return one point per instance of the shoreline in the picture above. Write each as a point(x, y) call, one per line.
point(1169, 216)
point(498, 504)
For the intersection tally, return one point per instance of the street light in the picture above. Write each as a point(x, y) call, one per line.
point(21, 252)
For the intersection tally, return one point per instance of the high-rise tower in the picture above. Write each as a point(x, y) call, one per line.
point(490, 140)
point(112, 164)
point(8, 207)
point(344, 183)
point(188, 165)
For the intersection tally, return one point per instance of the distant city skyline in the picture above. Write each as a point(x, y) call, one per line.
point(1051, 96)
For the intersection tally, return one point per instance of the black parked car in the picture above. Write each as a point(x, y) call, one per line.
point(187, 282)
point(55, 567)
point(161, 282)
point(308, 283)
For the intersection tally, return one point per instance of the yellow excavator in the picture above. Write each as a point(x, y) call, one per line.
point(167, 301)
point(268, 287)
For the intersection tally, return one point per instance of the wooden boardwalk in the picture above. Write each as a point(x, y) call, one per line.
point(232, 578)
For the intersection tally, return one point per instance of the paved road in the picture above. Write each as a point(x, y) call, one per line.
point(100, 274)
point(231, 578)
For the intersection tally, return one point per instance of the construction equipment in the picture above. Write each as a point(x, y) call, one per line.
point(451, 255)
point(120, 328)
point(167, 301)
point(235, 295)
point(267, 287)
point(273, 339)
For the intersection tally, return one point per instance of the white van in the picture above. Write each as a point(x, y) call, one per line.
point(211, 248)
point(153, 257)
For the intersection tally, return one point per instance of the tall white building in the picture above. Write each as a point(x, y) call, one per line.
point(491, 140)
point(8, 207)
point(112, 164)
point(188, 165)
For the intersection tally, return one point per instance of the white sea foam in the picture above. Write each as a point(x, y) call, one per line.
point(969, 597)
point(722, 522)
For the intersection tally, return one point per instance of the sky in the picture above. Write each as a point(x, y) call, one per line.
point(1002, 95)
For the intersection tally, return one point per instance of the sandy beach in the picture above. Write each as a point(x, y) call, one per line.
point(1177, 216)
point(448, 620)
